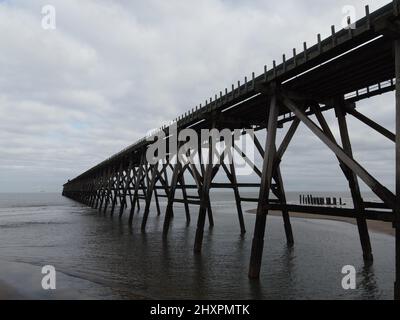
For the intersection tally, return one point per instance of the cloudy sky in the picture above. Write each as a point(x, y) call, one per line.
point(112, 70)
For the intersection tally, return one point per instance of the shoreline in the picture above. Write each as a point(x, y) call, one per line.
point(22, 281)
point(374, 226)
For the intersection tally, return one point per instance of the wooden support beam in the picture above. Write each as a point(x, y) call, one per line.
point(339, 105)
point(247, 160)
point(184, 194)
point(235, 186)
point(130, 189)
point(205, 197)
point(128, 181)
point(157, 202)
point(95, 191)
point(118, 185)
point(285, 213)
point(122, 194)
point(214, 172)
point(108, 190)
point(333, 211)
point(280, 191)
point(237, 198)
point(266, 180)
point(372, 124)
point(150, 189)
point(353, 183)
point(137, 179)
point(286, 140)
point(163, 179)
point(382, 192)
point(101, 180)
point(105, 182)
point(200, 152)
point(193, 202)
point(171, 197)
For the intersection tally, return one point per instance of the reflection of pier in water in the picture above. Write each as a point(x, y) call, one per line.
point(331, 76)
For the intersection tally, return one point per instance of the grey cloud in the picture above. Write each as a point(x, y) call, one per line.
point(113, 70)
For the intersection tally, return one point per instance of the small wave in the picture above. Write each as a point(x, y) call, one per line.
point(95, 278)
point(24, 224)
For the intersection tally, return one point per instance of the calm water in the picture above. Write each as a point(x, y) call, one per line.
point(103, 258)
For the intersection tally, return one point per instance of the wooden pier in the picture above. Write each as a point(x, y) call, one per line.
point(331, 75)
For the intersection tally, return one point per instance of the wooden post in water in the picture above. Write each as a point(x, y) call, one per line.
point(116, 188)
point(266, 181)
point(171, 197)
point(237, 197)
point(185, 197)
point(150, 188)
point(205, 196)
point(137, 180)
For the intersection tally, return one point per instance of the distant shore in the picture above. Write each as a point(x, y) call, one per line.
point(374, 226)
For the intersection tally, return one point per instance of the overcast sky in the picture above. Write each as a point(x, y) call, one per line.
point(112, 70)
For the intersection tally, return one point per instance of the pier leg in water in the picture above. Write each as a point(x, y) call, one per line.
point(126, 187)
point(137, 179)
point(348, 173)
point(285, 212)
point(149, 195)
point(205, 204)
point(279, 190)
point(185, 198)
point(117, 189)
point(109, 191)
point(266, 180)
point(171, 197)
point(237, 199)
point(354, 186)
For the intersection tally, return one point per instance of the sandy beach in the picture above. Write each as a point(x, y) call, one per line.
point(374, 226)
point(9, 293)
point(22, 281)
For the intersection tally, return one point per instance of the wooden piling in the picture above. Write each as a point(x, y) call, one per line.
point(266, 180)
point(353, 183)
point(205, 197)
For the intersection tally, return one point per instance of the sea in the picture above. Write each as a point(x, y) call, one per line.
point(97, 256)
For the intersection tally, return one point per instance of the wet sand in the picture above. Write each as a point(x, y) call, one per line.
point(21, 281)
point(374, 226)
point(96, 258)
point(9, 293)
